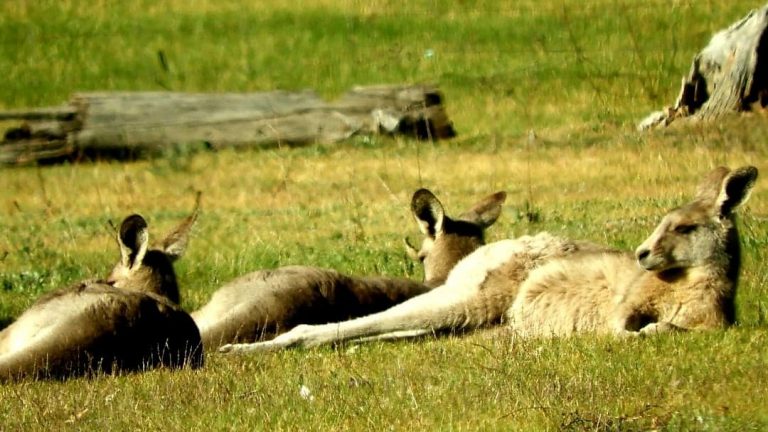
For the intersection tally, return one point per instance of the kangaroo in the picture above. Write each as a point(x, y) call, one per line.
point(264, 303)
point(129, 322)
point(549, 286)
point(686, 278)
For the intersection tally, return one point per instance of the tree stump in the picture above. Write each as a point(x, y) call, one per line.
point(135, 124)
point(727, 76)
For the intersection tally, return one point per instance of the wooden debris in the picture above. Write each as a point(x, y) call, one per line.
point(135, 124)
point(727, 76)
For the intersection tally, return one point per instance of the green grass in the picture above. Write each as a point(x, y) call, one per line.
point(580, 75)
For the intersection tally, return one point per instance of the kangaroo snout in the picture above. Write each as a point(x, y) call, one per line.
point(650, 260)
point(646, 260)
point(642, 254)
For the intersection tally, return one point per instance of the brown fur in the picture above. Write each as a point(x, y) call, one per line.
point(124, 324)
point(262, 304)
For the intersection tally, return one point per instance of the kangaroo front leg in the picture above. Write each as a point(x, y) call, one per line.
point(297, 336)
point(441, 308)
point(282, 342)
point(396, 335)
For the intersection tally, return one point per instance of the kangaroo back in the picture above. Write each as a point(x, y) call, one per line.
point(265, 303)
point(97, 328)
point(123, 324)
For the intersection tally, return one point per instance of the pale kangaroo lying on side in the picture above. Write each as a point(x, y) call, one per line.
point(264, 303)
point(129, 322)
point(686, 279)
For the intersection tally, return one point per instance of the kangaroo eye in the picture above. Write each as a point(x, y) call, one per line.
point(685, 229)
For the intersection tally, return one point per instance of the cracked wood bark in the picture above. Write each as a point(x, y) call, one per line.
point(129, 124)
point(727, 76)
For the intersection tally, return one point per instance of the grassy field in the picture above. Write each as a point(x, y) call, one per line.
point(581, 74)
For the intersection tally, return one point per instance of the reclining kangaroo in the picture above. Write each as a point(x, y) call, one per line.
point(547, 286)
point(129, 322)
point(261, 304)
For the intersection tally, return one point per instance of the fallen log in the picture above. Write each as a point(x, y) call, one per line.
point(727, 76)
point(138, 124)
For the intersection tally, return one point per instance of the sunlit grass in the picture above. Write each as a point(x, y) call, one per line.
point(580, 76)
point(537, 64)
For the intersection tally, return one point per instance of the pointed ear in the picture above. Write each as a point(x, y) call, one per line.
point(709, 187)
point(487, 211)
point(175, 243)
point(428, 212)
point(735, 190)
point(411, 250)
point(133, 239)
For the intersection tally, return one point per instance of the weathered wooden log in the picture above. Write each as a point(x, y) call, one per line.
point(49, 113)
point(120, 124)
point(34, 150)
point(152, 121)
point(727, 76)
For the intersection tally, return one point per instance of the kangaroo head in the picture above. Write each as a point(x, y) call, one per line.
point(150, 269)
point(446, 240)
point(703, 231)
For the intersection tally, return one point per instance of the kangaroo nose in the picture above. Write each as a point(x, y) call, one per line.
point(642, 254)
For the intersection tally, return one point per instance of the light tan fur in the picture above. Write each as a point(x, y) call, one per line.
point(125, 323)
point(684, 276)
point(264, 303)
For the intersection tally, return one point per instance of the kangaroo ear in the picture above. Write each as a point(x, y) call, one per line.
point(487, 211)
point(133, 239)
point(709, 187)
point(428, 212)
point(735, 190)
point(175, 243)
